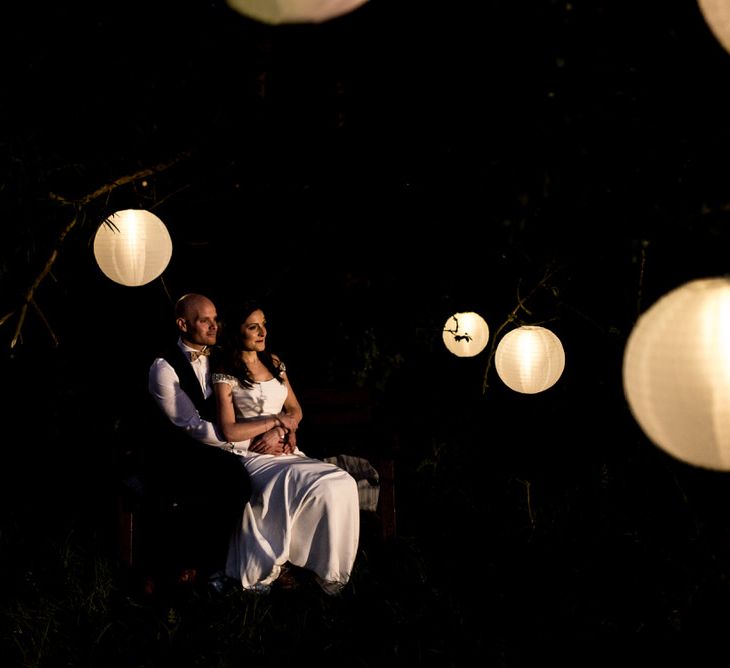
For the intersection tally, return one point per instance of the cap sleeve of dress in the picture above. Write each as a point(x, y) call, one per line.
point(223, 378)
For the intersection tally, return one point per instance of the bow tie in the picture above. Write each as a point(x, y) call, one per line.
point(194, 354)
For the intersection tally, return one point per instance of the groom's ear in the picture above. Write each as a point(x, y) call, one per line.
point(182, 324)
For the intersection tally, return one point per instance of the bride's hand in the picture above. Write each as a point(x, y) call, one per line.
point(272, 442)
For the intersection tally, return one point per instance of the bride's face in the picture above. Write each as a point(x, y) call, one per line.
point(253, 332)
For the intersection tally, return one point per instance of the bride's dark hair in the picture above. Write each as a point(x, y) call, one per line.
point(227, 356)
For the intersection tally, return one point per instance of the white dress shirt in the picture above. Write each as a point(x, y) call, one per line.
point(164, 386)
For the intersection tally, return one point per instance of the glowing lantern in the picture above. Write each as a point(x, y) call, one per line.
point(294, 11)
point(466, 334)
point(676, 373)
point(529, 359)
point(132, 247)
point(717, 17)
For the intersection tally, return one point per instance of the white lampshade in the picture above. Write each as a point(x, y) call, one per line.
point(466, 334)
point(529, 359)
point(676, 373)
point(294, 11)
point(132, 247)
point(717, 17)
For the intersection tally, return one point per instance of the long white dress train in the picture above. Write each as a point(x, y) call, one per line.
point(302, 510)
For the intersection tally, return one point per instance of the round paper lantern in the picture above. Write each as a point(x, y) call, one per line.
point(466, 334)
point(529, 359)
point(676, 373)
point(717, 17)
point(132, 247)
point(294, 11)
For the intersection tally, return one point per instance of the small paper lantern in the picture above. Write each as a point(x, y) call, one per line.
point(717, 17)
point(466, 334)
point(676, 373)
point(132, 247)
point(294, 11)
point(529, 359)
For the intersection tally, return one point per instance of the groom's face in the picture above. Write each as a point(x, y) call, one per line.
point(200, 326)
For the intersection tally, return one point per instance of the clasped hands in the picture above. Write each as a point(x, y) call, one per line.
point(279, 440)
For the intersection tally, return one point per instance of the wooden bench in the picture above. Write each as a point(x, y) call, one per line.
point(337, 421)
point(344, 420)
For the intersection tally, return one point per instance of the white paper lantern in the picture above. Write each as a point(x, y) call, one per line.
point(135, 249)
point(529, 359)
point(294, 11)
point(717, 17)
point(676, 373)
point(466, 334)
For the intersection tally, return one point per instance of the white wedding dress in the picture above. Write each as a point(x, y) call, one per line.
point(302, 510)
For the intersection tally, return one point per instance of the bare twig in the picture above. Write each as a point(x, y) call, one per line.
point(528, 497)
point(511, 317)
point(122, 181)
point(642, 270)
point(28, 298)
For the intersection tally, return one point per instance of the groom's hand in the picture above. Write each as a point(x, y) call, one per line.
point(272, 442)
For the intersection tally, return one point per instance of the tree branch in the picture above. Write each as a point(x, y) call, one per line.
point(78, 204)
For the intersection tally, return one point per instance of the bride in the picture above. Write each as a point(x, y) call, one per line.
point(302, 510)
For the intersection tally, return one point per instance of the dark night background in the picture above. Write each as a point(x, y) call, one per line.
point(368, 177)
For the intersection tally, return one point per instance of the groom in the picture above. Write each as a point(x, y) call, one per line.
point(194, 463)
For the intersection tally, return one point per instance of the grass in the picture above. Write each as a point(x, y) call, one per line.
point(495, 561)
point(72, 605)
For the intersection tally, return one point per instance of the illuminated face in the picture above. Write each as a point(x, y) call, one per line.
point(200, 325)
point(253, 331)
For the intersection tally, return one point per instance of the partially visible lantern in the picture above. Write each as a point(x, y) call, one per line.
point(717, 17)
point(132, 247)
point(676, 373)
point(530, 359)
point(466, 334)
point(294, 11)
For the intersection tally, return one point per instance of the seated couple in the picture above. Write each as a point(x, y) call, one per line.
point(273, 505)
